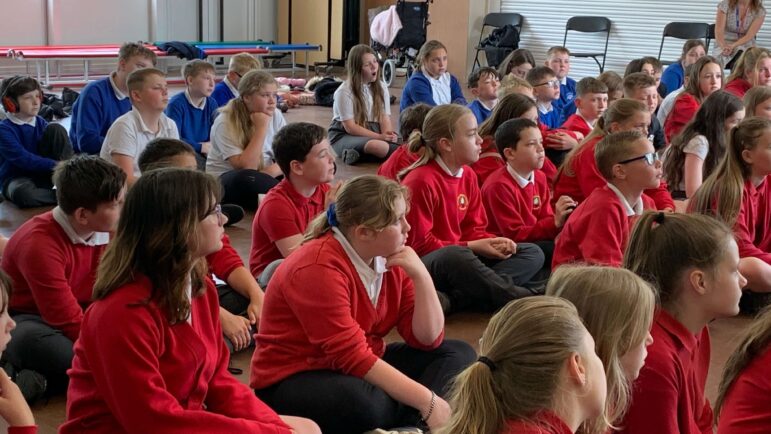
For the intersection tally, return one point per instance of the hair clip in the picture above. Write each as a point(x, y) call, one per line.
point(332, 215)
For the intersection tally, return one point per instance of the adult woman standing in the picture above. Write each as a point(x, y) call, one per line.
point(736, 26)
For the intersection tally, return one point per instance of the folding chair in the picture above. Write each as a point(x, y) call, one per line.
point(710, 36)
point(684, 30)
point(494, 21)
point(590, 25)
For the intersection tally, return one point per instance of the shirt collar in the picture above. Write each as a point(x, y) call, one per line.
point(297, 198)
point(371, 277)
point(190, 100)
point(522, 182)
point(630, 210)
point(591, 124)
point(447, 169)
point(142, 124)
point(482, 103)
point(676, 329)
point(97, 239)
point(563, 81)
point(15, 119)
point(231, 87)
point(543, 108)
point(118, 94)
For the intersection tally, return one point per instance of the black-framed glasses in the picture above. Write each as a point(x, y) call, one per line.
point(550, 83)
point(650, 158)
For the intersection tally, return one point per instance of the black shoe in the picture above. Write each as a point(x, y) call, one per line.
point(32, 385)
point(444, 301)
point(351, 156)
point(234, 213)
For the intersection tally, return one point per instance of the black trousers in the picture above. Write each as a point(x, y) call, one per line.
point(477, 283)
point(243, 186)
point(345, 404)
point(36, 189)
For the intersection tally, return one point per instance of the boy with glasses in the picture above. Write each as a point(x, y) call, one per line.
point(546, 89)
point(598, 230)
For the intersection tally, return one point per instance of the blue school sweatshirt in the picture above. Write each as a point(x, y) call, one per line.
point(95, 110)
point(19, 148)
point(553, 119)
point(418, 89)
point(480, 111)
point(673, 77)
point(567, 93)
point(568, 110)
point(222, 94)
point(194, 124)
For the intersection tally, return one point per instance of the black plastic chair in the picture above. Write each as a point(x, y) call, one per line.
point(494, 21)
point(590, 25)
point(710, 35)
point(684, 30)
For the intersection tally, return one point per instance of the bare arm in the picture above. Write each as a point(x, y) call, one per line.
point(126, 163)
point(692, 174)
point(242, 281)
point(352, 128)
point(251, 158)
point(751, 32)
point(720, 28)
point(289, 244)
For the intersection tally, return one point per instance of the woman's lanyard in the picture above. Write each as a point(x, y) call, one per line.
point(740, 23)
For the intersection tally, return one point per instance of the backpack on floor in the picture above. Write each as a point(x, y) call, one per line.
point(324, 91)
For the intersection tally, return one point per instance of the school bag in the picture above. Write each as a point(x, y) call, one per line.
point(500, 43)
point(324, 91)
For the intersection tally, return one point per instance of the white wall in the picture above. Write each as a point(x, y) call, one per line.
point(62, 22)
point(636, 32)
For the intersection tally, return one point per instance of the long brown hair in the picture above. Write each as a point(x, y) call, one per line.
point(155, 237)
point(663, 246)
point(238, 121)
point(755, 5)
point(511, 106)
point(527, 343)
point(754, 97)
point(692, 84)
point(618, 111)
point(353, 66)
point(754, 342)
point(709, 122)
point(617, 309)
point(721, 193)
point(440, 124)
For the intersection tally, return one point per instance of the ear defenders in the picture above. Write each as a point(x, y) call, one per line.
point(10, 105)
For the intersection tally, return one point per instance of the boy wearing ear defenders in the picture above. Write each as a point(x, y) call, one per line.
point(30, 147)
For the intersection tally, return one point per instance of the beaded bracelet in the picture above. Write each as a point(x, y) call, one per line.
point(430, 408)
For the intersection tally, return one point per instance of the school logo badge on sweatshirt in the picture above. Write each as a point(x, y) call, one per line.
point(462, 202)
point(536, 203)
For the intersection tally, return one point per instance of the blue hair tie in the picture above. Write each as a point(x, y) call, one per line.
point(332, 215)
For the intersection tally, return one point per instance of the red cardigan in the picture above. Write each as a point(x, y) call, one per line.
point(585, 177)
point(576, 123)
point(738, 87)
point(596, 232)
point(522, 214)
point(544, 422)
point(398, 161)
point(683, 111)
point(135, 372)
point(444, 210)
point(283, 212)
point(60, 290)
point(309, 324)
point(747, 406)
point(668, 396)
point(753, 224)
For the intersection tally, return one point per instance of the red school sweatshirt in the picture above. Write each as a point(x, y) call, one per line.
point(444, 210)
point(522, 214)
point(311, 324)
